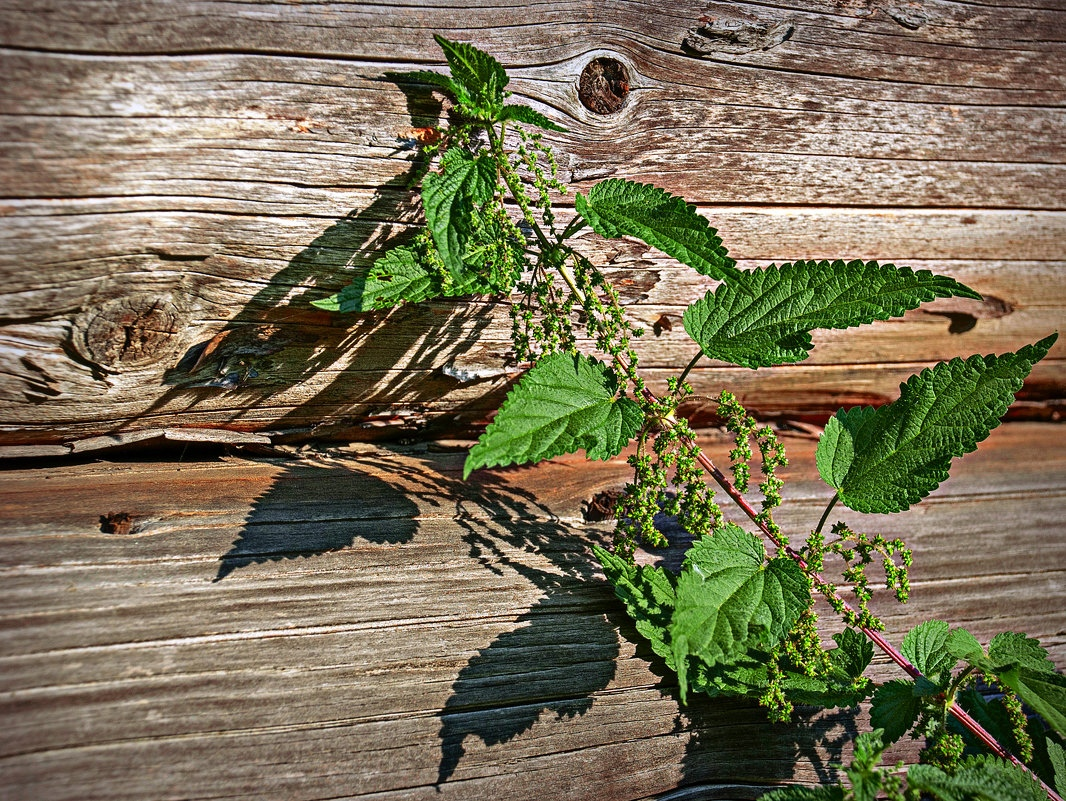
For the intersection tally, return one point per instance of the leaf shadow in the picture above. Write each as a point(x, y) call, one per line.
point(554, 657)
point(312, 509)
point(341, 376)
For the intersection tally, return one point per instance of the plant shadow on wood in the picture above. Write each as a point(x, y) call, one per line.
point(312, 509)
point(365, 376)
point(561, 651)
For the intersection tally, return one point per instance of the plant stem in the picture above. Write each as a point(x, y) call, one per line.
point(876, 637)
point(572, 228)
point(825, 514)
point(688, 368)
point(720, 478)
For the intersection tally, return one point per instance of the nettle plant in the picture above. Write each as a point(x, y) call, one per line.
point(735, 620)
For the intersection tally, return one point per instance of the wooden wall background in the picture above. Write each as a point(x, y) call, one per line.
point(180, 177)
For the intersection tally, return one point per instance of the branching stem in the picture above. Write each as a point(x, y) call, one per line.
point(720, 478)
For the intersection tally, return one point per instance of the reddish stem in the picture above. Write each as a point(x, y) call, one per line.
point(876, 637)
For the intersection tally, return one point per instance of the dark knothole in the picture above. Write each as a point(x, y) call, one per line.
point(603, 85)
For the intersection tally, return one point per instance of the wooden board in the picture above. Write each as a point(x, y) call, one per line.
point(360, 623)
point(181, 179)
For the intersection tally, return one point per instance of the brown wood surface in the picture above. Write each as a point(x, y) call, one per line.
point(180, 178)
point(360, 623)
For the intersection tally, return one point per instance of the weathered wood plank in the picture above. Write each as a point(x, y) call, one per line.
point(362, 623)
point(180, 170)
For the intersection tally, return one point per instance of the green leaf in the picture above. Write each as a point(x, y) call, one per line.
point(481, 76)
point(1014, 649)
point(649, 596)
point(894, 708)
point(456, 91)
point(863, 774)
point(825, 792)
point(764, 317)
point(616, 208)
point(448, 198)
point(564, 403)
point(728, 601)
point(926, 647)
point(961, 644)
point(396, 277)
point(1044, 692)
point(886, 459)
point(529, 116)
point(853, 653)
point(981, 778)
point(1057, 762)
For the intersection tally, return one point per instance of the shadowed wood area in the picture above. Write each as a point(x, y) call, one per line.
point(181, 178)
point(360, 623)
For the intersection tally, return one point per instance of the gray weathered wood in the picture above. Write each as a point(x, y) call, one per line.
point(185, 176)
point(361, 623)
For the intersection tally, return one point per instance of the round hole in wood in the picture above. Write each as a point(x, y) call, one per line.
point(603, 85)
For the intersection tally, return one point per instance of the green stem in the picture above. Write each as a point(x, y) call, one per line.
point(825, 514)
point(572, 228)
point(688, 368)
point(504, 166)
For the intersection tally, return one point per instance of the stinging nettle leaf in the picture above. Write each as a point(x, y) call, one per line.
point(649, 595)
point(926, 646)
point(396, 277)
point(448, 198)
point(617, 208)
point(728, 601)
point(529, 116)
point(894, 708)
point(481, 75)
point(1014, 649)
point(456, 90)
point(563, 404)
point(977, 778)
point(889, 458)
point(764, 317)
point(1044, 692)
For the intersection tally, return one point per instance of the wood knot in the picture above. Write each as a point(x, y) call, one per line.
point(603, 85)
point(120, 523)
point(128, 332)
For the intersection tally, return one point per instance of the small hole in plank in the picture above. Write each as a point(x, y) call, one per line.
point(604, 85)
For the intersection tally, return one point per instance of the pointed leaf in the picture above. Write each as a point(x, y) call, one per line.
point(765, 317)
point(1013, 649)
point(396, 277)
point(647, 592)
point(728, 601)
point(564, 403)
point(615, 208)
point(894, 708)
point(481, 75)
point(455, 90)
point(1044, 692)
point(853, 653)
point(926, 646)
point(961, 644)
point(448, 198)
point(863, 774)
point(981, 778)
point(886, 459)
point(529, 116)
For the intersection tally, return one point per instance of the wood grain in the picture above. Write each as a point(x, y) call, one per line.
point(182, 178)
point(360, 623)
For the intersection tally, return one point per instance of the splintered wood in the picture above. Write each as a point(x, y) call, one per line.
point(364, 624)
